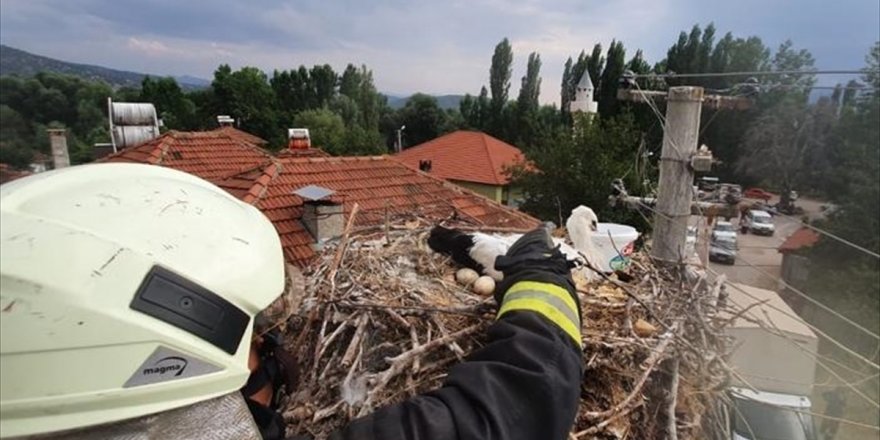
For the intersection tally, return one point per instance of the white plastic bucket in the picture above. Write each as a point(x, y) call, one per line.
point(611, 238)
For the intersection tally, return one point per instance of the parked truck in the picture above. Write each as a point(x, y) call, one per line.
point(774, 362)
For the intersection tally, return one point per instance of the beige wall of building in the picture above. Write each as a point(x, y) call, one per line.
point(501, 194)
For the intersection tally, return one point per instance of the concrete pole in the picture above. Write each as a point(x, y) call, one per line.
point(675, 190)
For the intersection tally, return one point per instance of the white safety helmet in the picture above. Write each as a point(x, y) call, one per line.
point(125, 290)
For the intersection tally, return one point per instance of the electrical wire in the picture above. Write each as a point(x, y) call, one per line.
point(812, 327)
point(754, 73)
point(830, 235)
point(779, 332)
point(650, 103)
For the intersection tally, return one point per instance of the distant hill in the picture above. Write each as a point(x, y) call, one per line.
point(444, 101)
point(18, 62)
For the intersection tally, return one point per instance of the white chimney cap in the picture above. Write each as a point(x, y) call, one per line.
point(298, 133)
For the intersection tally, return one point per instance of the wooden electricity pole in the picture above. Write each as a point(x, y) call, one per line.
point(680, 137)
point(675, 192)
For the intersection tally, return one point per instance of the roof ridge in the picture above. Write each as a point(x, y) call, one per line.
point(484, 138)
point(163, 146)
point(463, 191)
point(272, 169)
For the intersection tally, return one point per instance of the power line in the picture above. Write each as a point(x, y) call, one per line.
point(779, 332)
point(830, 235)
point(808, 298)
point(754, 73)
point(657, 113)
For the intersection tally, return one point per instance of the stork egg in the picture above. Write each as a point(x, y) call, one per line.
point(484, 286)
point(466, 276)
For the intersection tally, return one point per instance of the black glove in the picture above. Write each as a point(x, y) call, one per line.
point(534, 258)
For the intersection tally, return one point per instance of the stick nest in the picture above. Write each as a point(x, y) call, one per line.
point(380, 318)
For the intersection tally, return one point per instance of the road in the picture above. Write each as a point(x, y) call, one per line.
point(758, 262)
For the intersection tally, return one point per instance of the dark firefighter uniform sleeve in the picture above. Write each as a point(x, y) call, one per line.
point(523, 385)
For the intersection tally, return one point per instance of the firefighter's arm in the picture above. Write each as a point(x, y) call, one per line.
point(523, 384)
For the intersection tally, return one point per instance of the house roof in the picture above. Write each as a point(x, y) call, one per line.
point(469, 156)
point(302, 152)
point(379, 184)
point(210, 155)
point(8, 174)
point(242, 135)
point(802, 238)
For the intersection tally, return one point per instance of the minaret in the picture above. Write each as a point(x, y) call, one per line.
point(583, 96)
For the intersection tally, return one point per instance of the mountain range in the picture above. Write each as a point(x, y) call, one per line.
point(18, 62)
point(22, 63)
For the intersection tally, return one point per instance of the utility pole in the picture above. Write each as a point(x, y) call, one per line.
point(674, 205)
point(675, 192)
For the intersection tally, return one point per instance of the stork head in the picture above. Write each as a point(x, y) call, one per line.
point(584, 217)
point(581, 225)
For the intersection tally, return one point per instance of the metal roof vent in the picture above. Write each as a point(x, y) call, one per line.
point(314, 193)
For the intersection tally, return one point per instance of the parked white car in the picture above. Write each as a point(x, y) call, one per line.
point(724, 230)
point(757, 222)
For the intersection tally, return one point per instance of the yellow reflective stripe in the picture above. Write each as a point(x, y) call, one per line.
point(548, 311)
point(548, 288)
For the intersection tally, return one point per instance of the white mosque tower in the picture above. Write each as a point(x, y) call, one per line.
point(583, 96)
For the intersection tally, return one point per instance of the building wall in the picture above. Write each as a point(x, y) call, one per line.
point(489, 191)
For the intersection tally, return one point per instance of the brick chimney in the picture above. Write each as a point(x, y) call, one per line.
point(321, 216)
point(298, 139)
point(58, 141)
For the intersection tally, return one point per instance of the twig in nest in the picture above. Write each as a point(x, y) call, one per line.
point(399, 362)
point(340, 250)
point(650, 363)
point(673, 396)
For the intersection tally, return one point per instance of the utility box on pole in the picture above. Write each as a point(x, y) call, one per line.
point(675, 191)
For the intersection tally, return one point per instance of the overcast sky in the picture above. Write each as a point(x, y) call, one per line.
point(438, 47)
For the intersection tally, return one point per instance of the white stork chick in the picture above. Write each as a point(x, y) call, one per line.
point(478, 251)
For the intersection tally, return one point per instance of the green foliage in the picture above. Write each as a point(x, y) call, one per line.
point(499, 85)
point(326, 128)
point(30, 105)
point(574, 169)
point(247, 96)
point(173, 106)
point(423, 118)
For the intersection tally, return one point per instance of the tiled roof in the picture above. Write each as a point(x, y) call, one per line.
point(210, 155)
point(8, 174)
point(469, 156)
point(241, 135)
point(378, 184)
point(302, 152)
point(803, 237)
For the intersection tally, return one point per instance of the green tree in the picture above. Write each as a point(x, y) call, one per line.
point(499, 84)
point(527, 104)
point(572, 170)
point(247, 96)
point(173, 106)
point(565, 87)
point(423, 118)
point(326, 129)
point(608, 83)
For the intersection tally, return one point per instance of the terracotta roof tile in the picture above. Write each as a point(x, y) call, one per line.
point(802, 238)
point(8, 174)
point(209, 154)
point(469, 156)
point(241, 135)
point(377, 184)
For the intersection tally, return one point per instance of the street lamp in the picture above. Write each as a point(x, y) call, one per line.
point(399, 141)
